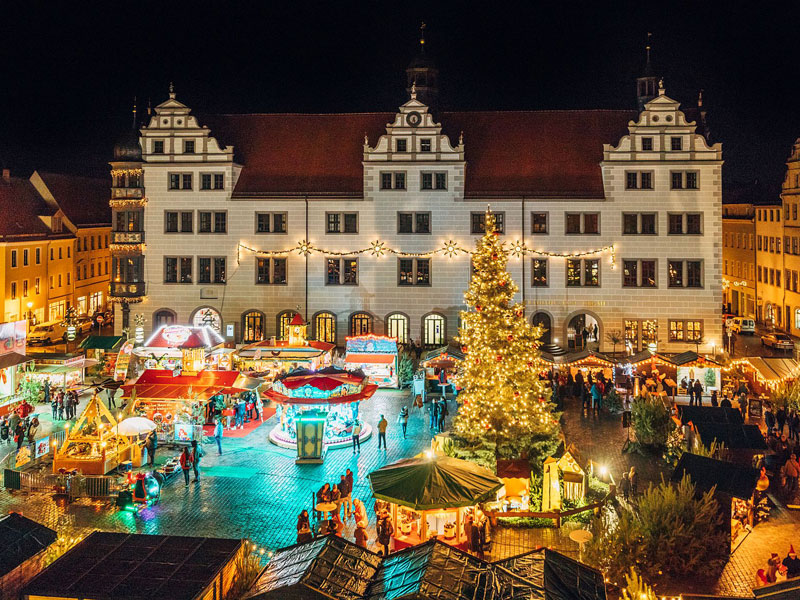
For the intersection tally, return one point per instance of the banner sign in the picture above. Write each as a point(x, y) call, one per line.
point(371, 344)
point(42, 447)
point(123, 360)
point(12, 337)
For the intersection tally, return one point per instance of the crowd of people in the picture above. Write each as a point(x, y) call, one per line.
point(779, 570)
point(589, 389)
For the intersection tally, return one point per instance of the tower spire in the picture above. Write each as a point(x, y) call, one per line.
point(171, 91)
point(647, 83)
point(422, 37)
point(134, 112)
point(648, 68)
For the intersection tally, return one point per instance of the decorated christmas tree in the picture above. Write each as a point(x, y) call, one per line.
point(502, 398)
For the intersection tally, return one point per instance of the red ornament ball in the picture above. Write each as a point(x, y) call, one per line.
point(478, 307)
point(499, 357)
point(502, 284)
point(530, 364)
point(510, 337)
point(516, 393)
point(494, 256)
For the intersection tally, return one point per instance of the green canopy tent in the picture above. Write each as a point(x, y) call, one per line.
point(432, 487)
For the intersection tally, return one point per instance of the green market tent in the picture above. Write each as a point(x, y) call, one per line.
point(423, 483)
point(102, 342)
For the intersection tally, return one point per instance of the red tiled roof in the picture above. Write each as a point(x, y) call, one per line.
point(534, 153)
point(84, 200)
point(20, 207)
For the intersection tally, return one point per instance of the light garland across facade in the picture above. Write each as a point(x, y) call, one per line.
point(727, 284)
point(449, 249)
point(128, 202)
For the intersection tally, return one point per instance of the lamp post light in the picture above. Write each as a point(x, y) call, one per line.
point(30, 313)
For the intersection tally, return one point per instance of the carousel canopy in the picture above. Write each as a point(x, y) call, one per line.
point(327, 567)
point(710, 414)
point(135, 426)
point(425, 483)
point(161, 384)
point(329, 385)
point(706, 473)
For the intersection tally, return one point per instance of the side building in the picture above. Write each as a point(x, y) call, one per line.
point(363, 222)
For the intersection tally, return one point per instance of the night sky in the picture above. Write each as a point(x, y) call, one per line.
point(70, 70)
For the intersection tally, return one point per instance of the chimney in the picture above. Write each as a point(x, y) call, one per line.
point(6, 175)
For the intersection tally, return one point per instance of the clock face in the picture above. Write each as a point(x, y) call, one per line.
point(413, 118)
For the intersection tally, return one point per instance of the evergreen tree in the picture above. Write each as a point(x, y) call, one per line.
point(502, 398)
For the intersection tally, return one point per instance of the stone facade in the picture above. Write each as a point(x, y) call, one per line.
point(739, 258)
point(654, 224)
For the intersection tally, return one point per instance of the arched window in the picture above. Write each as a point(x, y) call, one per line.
point(543, 320)
point(397, 327)
point(284, 319)
point(164, 316)
point(325, 327)
point(252, 326)
point(434, 330)
point(207, 317)
point(360, 323)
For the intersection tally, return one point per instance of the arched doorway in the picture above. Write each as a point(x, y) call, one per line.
point(360, 323)
point(325, 327)
point(397, 327)
point(583, 332)
point(282, 325)
point(253, 326)
point(164, 316)
point(434, 330)
point(543, 320)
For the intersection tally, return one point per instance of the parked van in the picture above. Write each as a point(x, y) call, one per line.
point(743, 325)
point(47, 333)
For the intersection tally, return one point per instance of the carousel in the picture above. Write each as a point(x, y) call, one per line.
point(433, 496)
point(331, 393)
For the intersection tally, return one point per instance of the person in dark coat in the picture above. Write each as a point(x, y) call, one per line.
point(633, 476)
point(442, 415)
point(769, 420)
point(385, 531)
point(780, 419)
point(792, 564)
point(714, 401)
point(19, 435)
point(303, 528)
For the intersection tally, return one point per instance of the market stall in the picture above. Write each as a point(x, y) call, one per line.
point(447, 359)
point(431, 496)
point(269, 358)
point(94, 445)
point(61, 370)
point(586, 361)
point(104, 349)
point(763, 374)
point(650, 370)
point(331, 393)
point(564, 479)
point(375, 355)
point(179, 347)
point(179, 403)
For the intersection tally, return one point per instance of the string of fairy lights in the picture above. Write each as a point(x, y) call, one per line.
point(450, 249)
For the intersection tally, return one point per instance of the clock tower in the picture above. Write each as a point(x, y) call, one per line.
point(422, 72)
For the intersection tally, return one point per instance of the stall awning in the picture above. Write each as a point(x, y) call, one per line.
point(449, 353)
point(772, 370)
point(706, 473)
point(646, 356)
point(12, 359)
point(102, 342)
point(370, 359)
point(160, 384)
point(692, 358)
point(584, 357)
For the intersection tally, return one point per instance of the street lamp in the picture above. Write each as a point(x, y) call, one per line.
point(70, 321)
point(30, 312)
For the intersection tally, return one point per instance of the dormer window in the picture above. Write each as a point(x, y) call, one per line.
point(425, 145)
point(188, 146)
point(158, 146)
point(401, 145)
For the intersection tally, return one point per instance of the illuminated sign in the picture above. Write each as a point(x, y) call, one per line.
point(176, 334)
point(371, 344)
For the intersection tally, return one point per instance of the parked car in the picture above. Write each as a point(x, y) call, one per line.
point(84, 325)
point(778, 341)
point(743, 325)
point(47, 333)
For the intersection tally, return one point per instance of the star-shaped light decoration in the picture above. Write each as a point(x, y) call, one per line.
point(517, 248)
point(451, 248)
point(378, 248)
point(304, 247)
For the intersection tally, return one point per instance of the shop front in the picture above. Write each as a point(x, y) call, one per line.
point(376, 356)
point(61, 370)
point(179, 347)
point(12, 359)
point(104, 349)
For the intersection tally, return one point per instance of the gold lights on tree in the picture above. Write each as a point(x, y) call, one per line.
point(502, 397)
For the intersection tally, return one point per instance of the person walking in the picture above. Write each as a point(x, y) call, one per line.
point(348, 475)
point(46, 391)
point(402, 418)
point(60, 401)
point(336, 498)
point(186, 463)
point(625, 486)
point(111, 393)
point(356, 436)
point(344, 492)
point(19, 435)
point(54, 406)
point(442, 415)
point(698, 392)
point(197, 454)
point(792, 471)
point(361, 536)
point(259, 408)
point(633, 476)
point(794, 426)
point(152, 446)
point(218, 434)
point(433, 407)
point(382, 424)
point(33, 429)
point(780, 419)
point(5, 431)
point(596, 396)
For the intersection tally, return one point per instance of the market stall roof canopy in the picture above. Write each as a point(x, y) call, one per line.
point(324, 568)
point(705, 473)
point(450, 354)
point(370, 359)
point(424, 483)
point(435, 570)
point(692, 358)
point(557, 577)
point(161, 384)
point(135, 426)
point(102, 342)
point(710, 414)
point(22, 539)
point(184, 337)
point(581, 357)
point(773, 370)
point(646, 356)
point(12, 359)
point(734, 436)
point(783, 590)
point(107, 566)
point(321, 381)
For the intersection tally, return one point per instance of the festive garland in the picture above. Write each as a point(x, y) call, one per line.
point(450, 249)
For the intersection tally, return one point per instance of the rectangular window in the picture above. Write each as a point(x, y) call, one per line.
point(25, 257)
point(158, 146)
point(14, 257)
point(478, 222)
point(676, 178)
point(342, 271)
point(271, 271)
point(425, 145)
point(539, 271)
point(37, 286)
point(631, 180)
point(413, 271)
point(675, 143)
point(675, 269)
point(204, 270)
point(350, 273)
point(399, 181)
point(342, 222)
point(220, 222)
point(185, 275)
point(573, 223)
point(585, 223)
point(584, 272)
point(270, 222)
point(676, 331)
point(170, 270)
point(25, 286)
point(685, 223)
point(174, 181)
point(649, 277)
point(648, 223)
point(441, 181)
point(642, 180)
point(38, 256)
point(186, 181)
point(685, 331)
point(693, 223)
point(630, 223)
point(408, 222)
point(170, 222)
point(219, 269)
point(204, 221)
point(188, 146)
point(219, 181)
point(427, 181)
point(759, 242)
point(646, 179)
point(386, 181)
point(538, 222)
point(13, 290)
point(630, 273)
point(187, 218)
point(647, 144)
point(639, 273)
point(687, 273)
point(401, 145)
point(205, 181)
point(691, 180)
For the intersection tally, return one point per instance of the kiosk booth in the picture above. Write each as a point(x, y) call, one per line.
point(181, 347)
point(376, 356)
